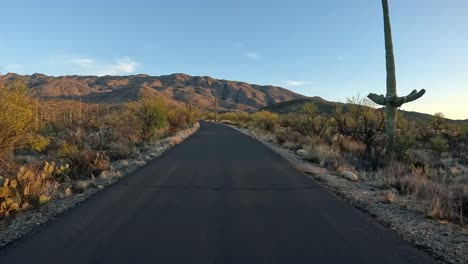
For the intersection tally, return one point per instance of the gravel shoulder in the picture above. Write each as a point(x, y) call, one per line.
point(446, 242)
point(28, 221)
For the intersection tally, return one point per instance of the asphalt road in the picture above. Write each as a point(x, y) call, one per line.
point(219, 197)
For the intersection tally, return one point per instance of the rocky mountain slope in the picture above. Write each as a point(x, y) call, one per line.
point(202, 90)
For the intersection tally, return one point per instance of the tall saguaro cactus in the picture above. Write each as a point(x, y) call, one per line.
point(391, 101)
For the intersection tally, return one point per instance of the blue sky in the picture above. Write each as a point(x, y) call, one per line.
point(333, 49)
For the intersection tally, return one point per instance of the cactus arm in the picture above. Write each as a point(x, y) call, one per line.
point(378, 99)
point(414, 95)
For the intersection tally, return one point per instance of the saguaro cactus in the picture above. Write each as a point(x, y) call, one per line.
point(391, 101)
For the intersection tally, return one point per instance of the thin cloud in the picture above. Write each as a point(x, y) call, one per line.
point(83, 62)
point(252, 55)
point(294, 83)
point(11, 68)
point(92, 66)
point(123, 65)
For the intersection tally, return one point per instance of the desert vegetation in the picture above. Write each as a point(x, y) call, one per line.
point(47, 146)
point(430, 161)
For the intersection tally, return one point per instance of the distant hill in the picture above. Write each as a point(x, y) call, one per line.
point(328, 107)
point(203, 90)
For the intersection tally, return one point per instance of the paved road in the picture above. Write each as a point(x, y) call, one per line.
point(220, 197)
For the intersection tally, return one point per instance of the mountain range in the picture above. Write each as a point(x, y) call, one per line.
point(329, 107)
point(179, 88)
point(201, 90)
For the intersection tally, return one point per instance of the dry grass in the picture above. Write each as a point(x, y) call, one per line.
point(441, 201)
point(325, 155)
point(389, 197)
point(349, 145)
point(175, 140)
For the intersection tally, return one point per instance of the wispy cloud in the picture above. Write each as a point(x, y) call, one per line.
point(253, 55)
point(294, 83)
point(11, 68)
point(339, 58)
point(93, 66)
point(124, 65)
point(82, 62)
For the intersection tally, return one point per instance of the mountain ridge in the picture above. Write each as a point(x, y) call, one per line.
point(328, 107)
point(231, 95)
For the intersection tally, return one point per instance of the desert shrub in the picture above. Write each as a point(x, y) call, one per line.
point(151, 113)
point(315, 123)
point(284, 135)
point(325, 155)
point(350, 145)
point(119, 150)
point(447, 201)
point(16, 115)
point(38, 143)
point(264, 120)
point(210, 116)
point(68, 150)
point(422, 158)
point(438, 120)
point(390, 175)
point(293, 145)
point(84, 163)
point(363, 123)
point(119, 126)
point(297, 122)
point(237, 118)
point(440, 199)
point(180, 118)
point(415, 182)
point(439, 144)
point(402, 145)
point(440, 206)
point(459, 192)
point(406, 138)
point(311, 141)
point(286, 120)
point(455, 136)
point(423, 130)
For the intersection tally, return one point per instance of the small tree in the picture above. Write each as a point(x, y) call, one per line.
point(361, 122)
point(316, 123)
point(151, 114)
point(16, 115)
point(437, 122)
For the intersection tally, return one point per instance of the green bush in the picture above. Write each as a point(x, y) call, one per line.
point(210, 116)
point(287, 135)
point(265, 120)
point(439, 144)
point(16, 115)
point(238, 118)
point(38, 143)
point(151, 114)
point(181, 118)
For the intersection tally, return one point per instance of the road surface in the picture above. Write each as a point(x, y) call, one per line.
point(219, 197)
